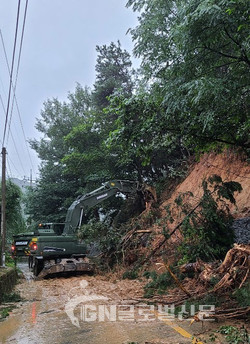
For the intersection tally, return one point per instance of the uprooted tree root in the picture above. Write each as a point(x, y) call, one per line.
point(230, 276)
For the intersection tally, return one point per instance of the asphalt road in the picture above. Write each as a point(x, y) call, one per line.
point(87, 310)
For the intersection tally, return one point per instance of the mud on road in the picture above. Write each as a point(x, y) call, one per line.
point(86, 309)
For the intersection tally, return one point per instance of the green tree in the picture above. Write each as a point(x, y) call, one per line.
point(207, 229)
point(113, 72)
point(56, 189)
point(74, 158)
point(142, 145)
point(88, 155)
point(53, 194)
point(88, 158)
point(198, 53)
point(57, 120)
point(15, 222)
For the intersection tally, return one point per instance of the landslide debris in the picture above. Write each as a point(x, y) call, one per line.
point(147, 247)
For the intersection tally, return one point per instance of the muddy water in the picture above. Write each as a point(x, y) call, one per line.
point(79, 310)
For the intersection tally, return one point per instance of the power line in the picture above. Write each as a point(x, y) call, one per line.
point(17, 70)
point(18, 155)
point(14, 87)
point(227, 170)
point(25, 139)
point(13, 165)
point(11, 72)
point(9, 169)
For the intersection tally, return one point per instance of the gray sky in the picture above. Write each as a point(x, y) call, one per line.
point(58, 51)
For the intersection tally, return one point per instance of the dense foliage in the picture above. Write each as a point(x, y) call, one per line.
point(207, 231)
point(190, 95)
point(15, 222)
point(197, 52)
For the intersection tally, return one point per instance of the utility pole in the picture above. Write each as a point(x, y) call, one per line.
point(3, 208)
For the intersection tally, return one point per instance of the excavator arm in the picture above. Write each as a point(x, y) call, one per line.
point(59, 253)
point(89, 200)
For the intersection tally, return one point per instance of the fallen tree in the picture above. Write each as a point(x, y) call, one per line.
point(232, 273)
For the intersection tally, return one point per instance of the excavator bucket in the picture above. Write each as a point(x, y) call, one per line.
point(66, 265)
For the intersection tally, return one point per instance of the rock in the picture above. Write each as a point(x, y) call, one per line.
point(242, 230)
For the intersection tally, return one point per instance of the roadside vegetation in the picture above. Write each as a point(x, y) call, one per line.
point(15, 220)
point(190, 96)
point(8, 303)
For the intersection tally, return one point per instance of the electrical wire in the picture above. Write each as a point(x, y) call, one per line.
point(25, 139)
point(9, 173)
point(17, 70)
point(11, 72)
point(227, 170)
point(10, 161)
point(14, 87)
point(18, 155)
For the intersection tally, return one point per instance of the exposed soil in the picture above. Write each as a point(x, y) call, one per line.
point(230, 167)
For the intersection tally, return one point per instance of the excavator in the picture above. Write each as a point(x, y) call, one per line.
point(52, 252)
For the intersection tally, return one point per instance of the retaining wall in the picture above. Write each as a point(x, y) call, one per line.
point(8, 278)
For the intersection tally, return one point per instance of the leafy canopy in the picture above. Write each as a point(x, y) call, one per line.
point(15, 222)
point(198, 52)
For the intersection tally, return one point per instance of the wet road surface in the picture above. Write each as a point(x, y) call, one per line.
point(83, 309)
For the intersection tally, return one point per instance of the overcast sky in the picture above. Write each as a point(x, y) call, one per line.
point(59, 50)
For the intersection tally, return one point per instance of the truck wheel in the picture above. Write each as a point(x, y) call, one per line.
point(38, 266)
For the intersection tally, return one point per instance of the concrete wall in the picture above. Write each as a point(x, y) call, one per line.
point(8, 278)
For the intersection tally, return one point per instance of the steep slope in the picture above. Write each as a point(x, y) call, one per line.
point(149, 241)
point(230, 167)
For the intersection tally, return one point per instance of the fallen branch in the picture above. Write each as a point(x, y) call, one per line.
point(243, 250)
point(144, 231)
point(176, 280)
point(167, 237)
point(242, 312)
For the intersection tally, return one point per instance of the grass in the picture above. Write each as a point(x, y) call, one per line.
point(130, 275)
point(7, 299)
point(11, 297)
point(234, 335)
point(4, 313)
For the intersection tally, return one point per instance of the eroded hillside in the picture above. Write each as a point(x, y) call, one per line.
point(230, 167)
point(146, 238)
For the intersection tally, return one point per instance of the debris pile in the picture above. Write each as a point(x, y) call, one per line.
point(231, 274)
point(218, 279)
